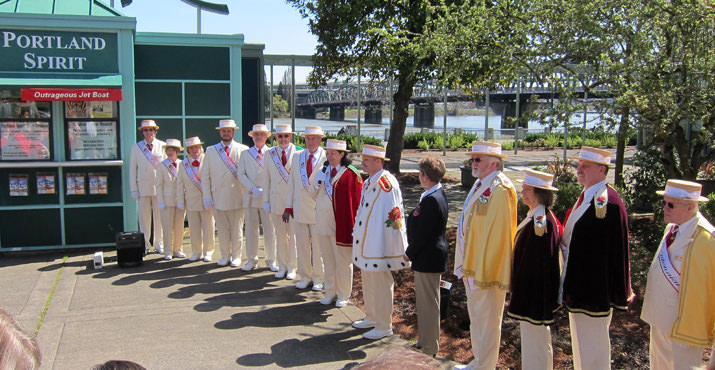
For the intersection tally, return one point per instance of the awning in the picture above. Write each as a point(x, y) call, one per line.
point(111, 80)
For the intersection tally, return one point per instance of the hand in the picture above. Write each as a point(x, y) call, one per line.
point(257, 192)
point(267, 207)
point(208, 203)
point(161, 206)
point(135, 195)
point(320, 177)
point(180, 206)
point(287, 214)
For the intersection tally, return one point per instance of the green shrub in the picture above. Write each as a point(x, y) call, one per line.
point(455, 141)
point(708, 208)
point(424, 144)
point(509, 145)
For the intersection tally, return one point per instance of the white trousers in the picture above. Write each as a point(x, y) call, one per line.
point(148, 207)
point(378, 289)
point(667, 354)
point(172, 224)
point(285, 243)
point(310, 265)
point(201, 232)
point(486, 307)
point(536, 350)
point(338, 267)
point(230, 233)
point(590, 341)
point(252, 234)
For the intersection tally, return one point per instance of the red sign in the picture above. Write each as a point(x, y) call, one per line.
point(34, 94)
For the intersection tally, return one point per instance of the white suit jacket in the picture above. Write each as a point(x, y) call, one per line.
point(299, 198)
point(142, 175)
point(275, 190)
point(217, 181)
point(166, 185)
point(189, 196)
point(251, 174)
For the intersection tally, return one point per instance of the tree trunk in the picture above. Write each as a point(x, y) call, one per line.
point(406, 82)
point(621, 145)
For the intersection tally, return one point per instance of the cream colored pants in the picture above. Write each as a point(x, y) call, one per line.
point(201, 230)
point(252, 234)
point(148, 207)
point(590, 341)
point(285, 243)
point(338, 267)
point(172, 224)
point(310, 265)
point(536, 350)
point(667, 354)
point(230, 233)
point(378, 289)
point(486, 307)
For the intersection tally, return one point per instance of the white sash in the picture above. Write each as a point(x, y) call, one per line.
point(193, 175)
point(169, 166)
point(147, 153)
point(303, 171)
point(227, 160)
point(669, 271)
point(257, 155)
point(285, 174)
point(332, 180)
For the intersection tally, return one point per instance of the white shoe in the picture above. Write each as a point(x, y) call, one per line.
point(363, 324)
point(290, 275)
point(302, 284)
point(223, 261)
point(208, 258)
point(272, 266)
point(236, 262)
point(167, 257)
point(460, 367)
point(327, 300)
point(250, 265)
point(280, 274)
point(317, 287)
point(341, 304)
point(179, 255)
point(159, 249)
point(194, 257)
point(377, 334)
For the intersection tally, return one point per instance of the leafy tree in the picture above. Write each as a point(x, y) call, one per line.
point(280, 106)
point(279, 90)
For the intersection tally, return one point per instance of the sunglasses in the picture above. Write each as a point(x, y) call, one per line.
point(280, 136)
point(476, 160)
point(148, 130)
point(670, 205)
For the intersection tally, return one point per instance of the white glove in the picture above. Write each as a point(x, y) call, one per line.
point(161, 206)
point(208, 203)
point(257, 192)
point(180, 206)
point(320, 177)
point(135, 195)
point(267, 207)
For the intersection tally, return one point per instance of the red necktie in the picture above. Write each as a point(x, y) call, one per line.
point(580, 200)
point(260, 154)
point(479, 184)
point(671, 236)
point(568, 211)
point(284, 160)
point(309, 165)
point(174, 164)
point(226, 149)
point(149, 146)
point(195, 163)
point(333, 172)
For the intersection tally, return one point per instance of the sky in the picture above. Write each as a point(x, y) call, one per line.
point(273, 23)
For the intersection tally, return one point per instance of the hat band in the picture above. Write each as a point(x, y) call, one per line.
point(595, 157)
point(536, 181)
point(373, 152)
point(486, 149)
point(680, 193)
point(336, 146)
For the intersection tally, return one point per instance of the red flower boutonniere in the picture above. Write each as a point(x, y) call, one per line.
point(416, 212)
point(601, 201)
point(394, 219)
point(485, 196)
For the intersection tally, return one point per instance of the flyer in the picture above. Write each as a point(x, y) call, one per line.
point(18, 185)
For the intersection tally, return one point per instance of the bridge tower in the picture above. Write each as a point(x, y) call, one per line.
point(424, 115)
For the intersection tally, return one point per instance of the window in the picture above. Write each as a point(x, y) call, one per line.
point(25, 132)
point(91, 128)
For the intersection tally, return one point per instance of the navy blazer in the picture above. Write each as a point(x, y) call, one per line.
point(426, 224)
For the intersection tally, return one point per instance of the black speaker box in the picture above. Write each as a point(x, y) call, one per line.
point(130, 249)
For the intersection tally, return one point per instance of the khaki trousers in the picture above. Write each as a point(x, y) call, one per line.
point(378, 288)
point(486, 308)
point(172, 224)
point(201, 232)
point(285, 243)
point(230, 233)
point(667, 354)
point(536, 350)
point(310, 265)
point(148, 207)
point(338, 268)
point(590, 341)
point(427, 301)
point(252, 235)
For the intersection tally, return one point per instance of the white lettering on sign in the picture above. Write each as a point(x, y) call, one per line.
point(53, 62)
point(10, 39)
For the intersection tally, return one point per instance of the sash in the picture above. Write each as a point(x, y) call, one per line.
point(332, 180)
point(227, 160)
point(193, 176)
point(172, 170)
point(669, 271)
point(257, 155)
point(147, 153)
point(285, 174)
point(303, 172)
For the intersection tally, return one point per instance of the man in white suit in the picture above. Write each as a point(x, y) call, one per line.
point(253, 176)
point(300, 204)
point(143, 162)
point(275, 192)
point(201, 221)
point(223, 192)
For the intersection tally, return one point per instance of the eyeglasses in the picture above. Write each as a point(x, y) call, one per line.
point(670, 205)
point(476, 160)
point(280, 136)
point(148, 130)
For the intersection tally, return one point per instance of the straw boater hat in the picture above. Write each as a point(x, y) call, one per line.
point(284, 129)
point(193, 141)
point(148, 123)
point(259, 128)
point(685, 190)
point(173, 143)
point(595, 155)
point(337, 145)
point(374, 151)
point(313, 130)
point(226, 123)
point(486, 148)
point(538, 179)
